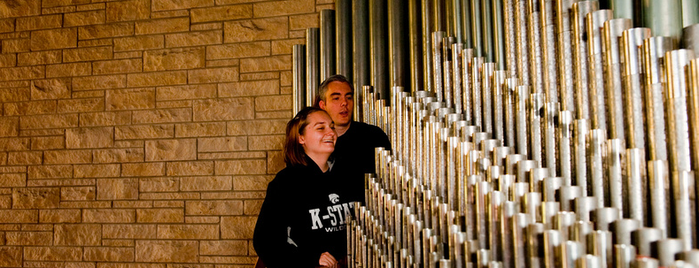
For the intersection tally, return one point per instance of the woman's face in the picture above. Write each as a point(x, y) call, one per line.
point(319, 135)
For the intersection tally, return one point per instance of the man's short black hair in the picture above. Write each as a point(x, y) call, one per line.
point(324, 86)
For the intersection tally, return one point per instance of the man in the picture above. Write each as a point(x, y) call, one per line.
point(356, 140)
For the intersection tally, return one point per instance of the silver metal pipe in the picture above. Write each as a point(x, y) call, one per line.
point(570, 252)
point(417, 75)
point(426, 34)
point(551, 240)
point(692, 72)
point(690, 37)
point(611, 33)
point(457, 75)
point(467, 62)
point(299, 78)
point(615, 150)
point(549, 54)
point(532, 205)
point(378, 36)
point(327, 43)
point(603, 217)
point(522, 41)
point(580, 133)
point(487, 25)
point(520, 221)
point(659, 185)
point(677, 113)
point(589, 261)
point(476, 90)
point(360, 44)
point(656, 17)
point(448, 72)
point(563, 222)
point(580, 59)
point(487, 72)
point(499, 34)
point(549, 135)
point(536, 107)
point(643, 239)
point(624, 255)
point(343, 38)
point(398, 40)
point(437, 44)
point(498, 115)
point(667, 249)
point(564, 135)
point(494, 213)
point(598, 110)
point(521, 123)
point(596, 140)
point(652, 57)
point(623, 228)
point(535, 252)
point(564, 46)
point(536, 60)
point(685, 216)
point(477, 28)
point(631, 41)
point(600, 242)
point(567, 195)
point(312, 64)
point(509, 111)
point(584, 205)
point(510, 36)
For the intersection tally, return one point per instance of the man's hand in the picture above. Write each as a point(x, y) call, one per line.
point(327, 260)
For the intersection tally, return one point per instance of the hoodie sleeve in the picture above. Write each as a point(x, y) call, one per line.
point(271, 238)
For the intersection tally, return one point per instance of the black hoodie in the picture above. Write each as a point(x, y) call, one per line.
point(303, 215)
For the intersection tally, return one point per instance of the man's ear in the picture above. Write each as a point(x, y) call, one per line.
point(321, 104)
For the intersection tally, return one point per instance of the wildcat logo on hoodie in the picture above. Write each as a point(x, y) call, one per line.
point(334, 220)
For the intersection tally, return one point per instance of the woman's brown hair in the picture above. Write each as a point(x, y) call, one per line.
point(293, 150)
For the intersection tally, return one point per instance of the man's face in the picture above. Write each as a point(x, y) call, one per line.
point(339, 103)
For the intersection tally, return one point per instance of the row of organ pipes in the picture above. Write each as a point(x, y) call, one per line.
point(526, 133)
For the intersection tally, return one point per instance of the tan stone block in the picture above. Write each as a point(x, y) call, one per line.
point(222, 144)
point(20, 8)
point(105, 254)
point(168, 204)
point(223, 247)
point(202, 219)
point(19, 216)
point(237, 260)
point(168, 150)
point(10, 256)
point(157, 79)
point(29, 238)
point(7, 25)
point(111, 189)
point(187, 231)
point(214, 207)
point(44, 143)
point(128, 10)
point(19, 179)
point(25, 108)
point(119, 155)
point(241, 167)
point(25, 198)
point(275, 162)
point(39, 22)
point(200, 129)
point(53, 253)
point(143, 169)
point(105, 119)
point(173, 59)
point(22, 73)
point(144, 132)
point(252, 207)
point(9, 60)
point(133, 204)
point(109, 215)
point(9, 126)
point(129, 231)
point(221, 13)
point(87, 54)
point(266, 142)
point(237, 227)
point(14, 144)
point(130, 99)
point(186, 92)
point(14, 94)
point(159, 5)
point(58, 3)
point(285, 46)
point(68, 157)
point(54, 39)
point(50, 172)
point(210, 75)
point(304, 21)
point(255, 29)
point(81, 105)
point(69, 69)
point(167, 251)
point(24, 158)
point(234, 195)
point(162, 116)
point(208, 183)
point(160, 215)
point(139, 42)
point(223, 63)
point(3, 158)
point(99, 82)
point(118, 243)
point(222, 109)
point(99, 137)
point(95, 43)
point(169, 196)
point(131, 265)
point(84, 18)
point(118, 66)
point(238, 50)
point(97, 171)
point(249, 88)
point(38, 58)
point(159, 184)
point(77, 234)
point(273, 103)
point(265, 64)
point(198, 38)
point(251, 183)
point(50, 89)
point(86, 204)
point(48, 121)
point(168, 25)
point(59, 216)
point(190, 168)
point(16, 45)
point(283, 8)
point(286, 78)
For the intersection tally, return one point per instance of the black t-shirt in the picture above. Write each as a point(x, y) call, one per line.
point(303, 215)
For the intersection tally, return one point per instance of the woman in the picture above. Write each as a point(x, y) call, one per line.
point(302, 220)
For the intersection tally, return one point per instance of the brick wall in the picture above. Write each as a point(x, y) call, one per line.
point(141, 133)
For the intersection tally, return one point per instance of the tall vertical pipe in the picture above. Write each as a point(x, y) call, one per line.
point(564, 45)
point(662, 17)
point(477, 28)
point(327, 43)
point(426, 33)
point(343, 38)
point(379, 47)
point(631, 41)
point(536, 60)
point(677, 113)
point(611, 33)
point(360, 44)
point(510, 29)
point(693, 103)
point(312, 64)
point(522, 42)
point(499, 35)
point(299, 78)
point(598, 110)
point(487, 30)
point(622, 8)
point(653, 59)
point(548, 49)
point(690, 12)
point(580, 59)
point(416, 59)
point(690, 37)
point(397, 43)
